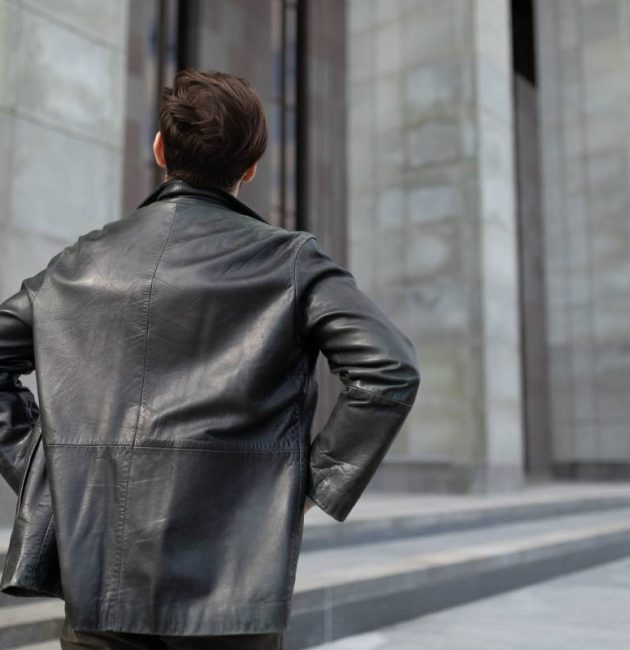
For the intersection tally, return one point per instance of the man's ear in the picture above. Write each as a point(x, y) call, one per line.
point(158, 150)
point(250, 173)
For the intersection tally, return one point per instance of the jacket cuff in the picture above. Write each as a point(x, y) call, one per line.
point(326, 497)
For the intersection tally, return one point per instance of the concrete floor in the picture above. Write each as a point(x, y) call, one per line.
point(379, 505)
point(589, 609)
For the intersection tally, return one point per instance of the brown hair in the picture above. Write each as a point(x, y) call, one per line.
point(214, 127)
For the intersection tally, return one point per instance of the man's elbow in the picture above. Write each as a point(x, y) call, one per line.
point(401, 380)
point(410, 371)
point(412, 383)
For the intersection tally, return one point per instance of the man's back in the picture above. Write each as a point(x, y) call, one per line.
point(175, 353)
point(181, 315)
point(172, 406)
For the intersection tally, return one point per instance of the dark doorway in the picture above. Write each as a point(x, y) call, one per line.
point(537, 435)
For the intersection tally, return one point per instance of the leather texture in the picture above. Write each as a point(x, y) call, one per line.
point(162, 473)
point(71, 639)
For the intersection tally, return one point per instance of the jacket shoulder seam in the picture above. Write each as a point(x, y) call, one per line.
point(31, 295)
point(52, 263)
point(147, 326)
point(122, 517)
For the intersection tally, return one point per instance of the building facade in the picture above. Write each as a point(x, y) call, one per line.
point(468, 160)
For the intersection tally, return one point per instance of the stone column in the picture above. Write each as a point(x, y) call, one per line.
point(583, 60)
point(61, 126)
point(62, 81)
point(432, 230)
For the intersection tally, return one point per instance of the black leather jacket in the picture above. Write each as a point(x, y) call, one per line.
point(161, 478)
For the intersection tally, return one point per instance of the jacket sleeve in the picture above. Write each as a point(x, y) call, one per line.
point(377, 365)
point(18, 409)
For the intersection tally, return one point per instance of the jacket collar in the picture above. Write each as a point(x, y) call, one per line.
point(176, 187)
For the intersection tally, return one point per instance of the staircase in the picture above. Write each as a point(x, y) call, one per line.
point(399, 556)
point(30, 623)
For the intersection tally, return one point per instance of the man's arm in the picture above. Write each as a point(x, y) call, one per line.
point(18, 409)
point(375, 361)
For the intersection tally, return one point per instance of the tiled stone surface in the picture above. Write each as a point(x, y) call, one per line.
point(103, 21)
point(585, 145)
point(81, 194)
point(66, 80)
point(499, 268)
point(430, 150)
point(61, 116)
point(6, 152)
point(9, 14)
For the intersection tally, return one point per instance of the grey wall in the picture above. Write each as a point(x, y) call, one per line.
point(583, 61)
point(61, 119)
point(62, 80)
point(433, 227)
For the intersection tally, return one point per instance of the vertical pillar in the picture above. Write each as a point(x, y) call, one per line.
point(583, 59)
point(432, 228)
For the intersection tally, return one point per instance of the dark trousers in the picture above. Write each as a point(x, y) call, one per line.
point(71, 639)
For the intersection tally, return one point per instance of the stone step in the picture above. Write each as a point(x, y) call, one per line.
point(382, 517)
point(31, 623)
point(368, 561)
point(586, 609)
point(6, 600)
point(349, 590)
point(43, 645)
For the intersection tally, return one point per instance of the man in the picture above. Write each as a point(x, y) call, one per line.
point(163, 477)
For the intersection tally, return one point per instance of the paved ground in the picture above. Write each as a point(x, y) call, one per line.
point(318, 569)
point(376, 505)
point(585, 610)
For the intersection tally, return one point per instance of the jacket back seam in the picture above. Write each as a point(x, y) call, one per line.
point(45, 272)
point(114, 611)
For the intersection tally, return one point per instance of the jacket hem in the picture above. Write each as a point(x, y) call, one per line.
point(27, 592)
point(245, 618)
